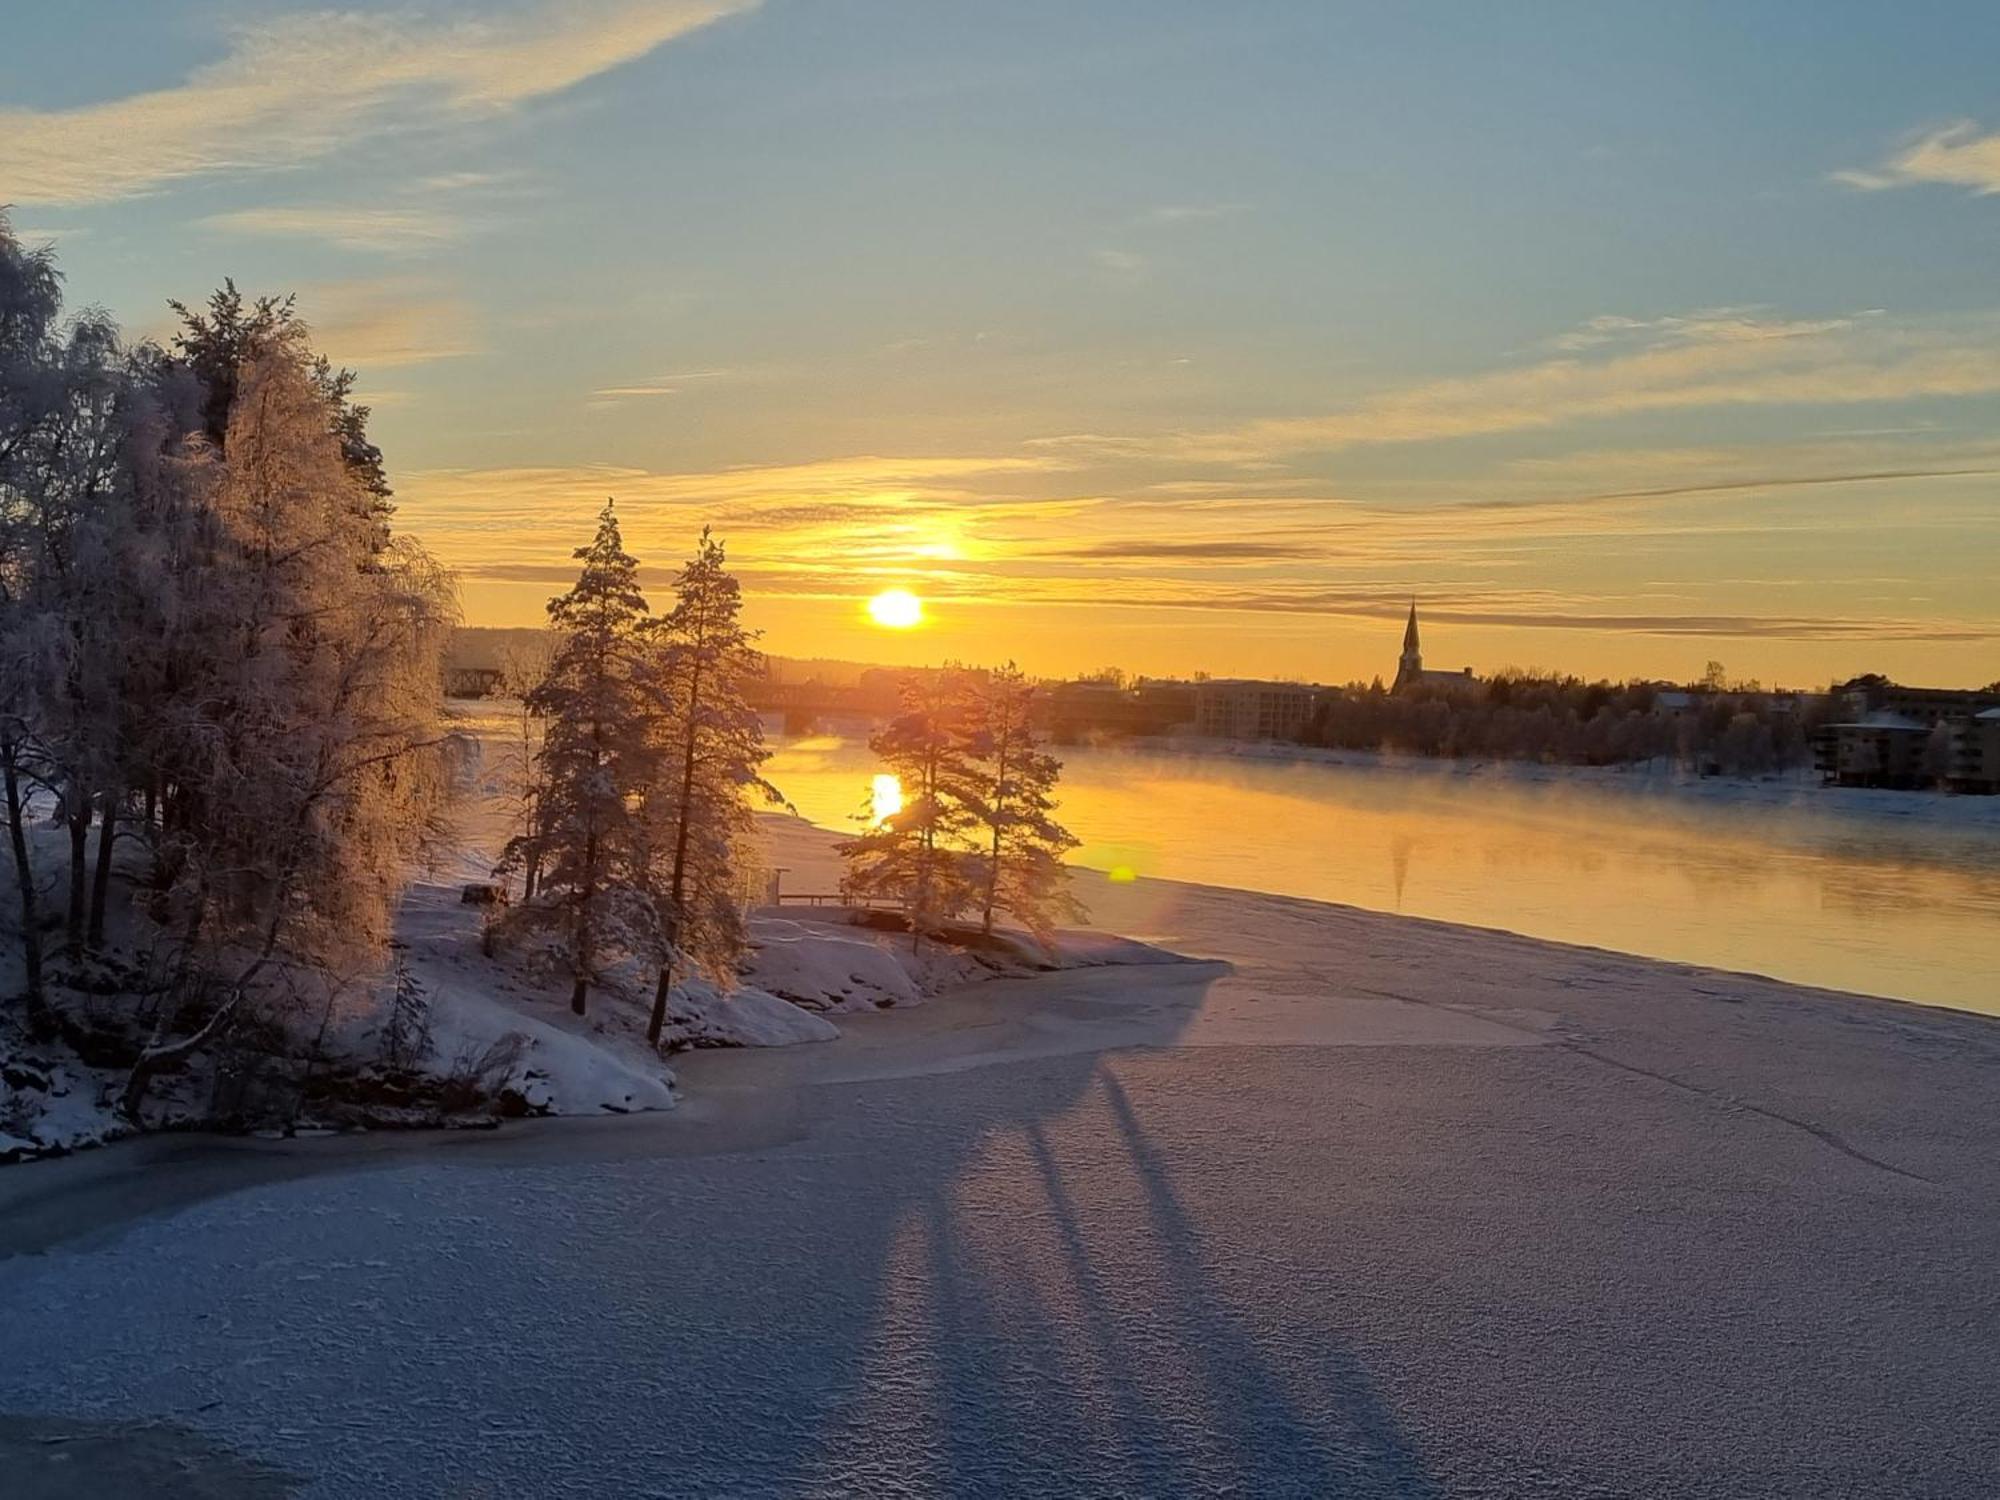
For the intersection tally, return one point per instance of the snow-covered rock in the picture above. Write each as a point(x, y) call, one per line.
point(828, 966)
point(50, 1106)
point(746, 1016)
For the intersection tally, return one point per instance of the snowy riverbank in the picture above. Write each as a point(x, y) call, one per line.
point(499, 1039)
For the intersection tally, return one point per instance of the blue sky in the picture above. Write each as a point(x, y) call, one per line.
point(1173, 334)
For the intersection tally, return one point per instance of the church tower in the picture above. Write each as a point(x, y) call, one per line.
point(1410, 666)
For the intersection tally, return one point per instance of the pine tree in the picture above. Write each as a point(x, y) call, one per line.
point(405, 1034)
point(597, 754)
point(917, 855)
point(697, 813)
point(1011, 799)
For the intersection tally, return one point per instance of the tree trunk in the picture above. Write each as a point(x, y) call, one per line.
point(79, 873)
point(677, 885)
point(659, 1019)
point(583, 945)
point(24, 877)
point(100, 889)
point(999, 822)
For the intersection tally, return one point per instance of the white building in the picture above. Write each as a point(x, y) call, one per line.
point(1244, 709)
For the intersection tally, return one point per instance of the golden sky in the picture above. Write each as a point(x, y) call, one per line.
point(1171, 336)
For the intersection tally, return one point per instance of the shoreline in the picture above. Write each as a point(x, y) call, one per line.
point(1798, 789)
point(746, 1099)
point(1120, 930)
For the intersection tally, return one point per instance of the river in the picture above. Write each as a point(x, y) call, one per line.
point(1889, 894)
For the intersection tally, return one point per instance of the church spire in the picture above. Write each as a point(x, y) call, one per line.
point(1410, 666)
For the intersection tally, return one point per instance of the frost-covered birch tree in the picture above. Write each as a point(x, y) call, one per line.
point(210, 641)
point(30, 402)
point(303, 767)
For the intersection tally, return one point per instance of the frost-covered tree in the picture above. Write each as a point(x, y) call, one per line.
point(696, 813)
point(1010, 785)
point(31, 399)
point(918, 855)
point(212, 650)
point(302, 762)
point(598, 752)
point(524, 666)
point(66, 534)
point(216, 342)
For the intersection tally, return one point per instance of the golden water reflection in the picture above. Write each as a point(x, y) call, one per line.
point(1795, 889)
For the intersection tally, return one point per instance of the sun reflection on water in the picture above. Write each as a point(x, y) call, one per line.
point(885, 797)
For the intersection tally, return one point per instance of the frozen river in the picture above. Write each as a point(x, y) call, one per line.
point(1365, 1208)
point(1878, 893)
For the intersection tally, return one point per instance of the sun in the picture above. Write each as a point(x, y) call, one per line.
point(896, 609)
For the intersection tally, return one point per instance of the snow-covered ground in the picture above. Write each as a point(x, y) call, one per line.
point(505, 1020)
point(1362, 1205)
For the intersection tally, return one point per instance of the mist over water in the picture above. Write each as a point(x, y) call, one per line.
point(1883, 894)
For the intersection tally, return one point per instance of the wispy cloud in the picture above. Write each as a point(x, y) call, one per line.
point(37, 234)
point(387, 229)
point(656, 386)
point(1123, 262)
point(566, 492)
point(1206, 550)
point(300, 87)
point(1194, 213)
point(1681, 364)
point(372, 325)
point(1956, 156)
point(1715, 325)
point(1662, 473)
point(1536, 609)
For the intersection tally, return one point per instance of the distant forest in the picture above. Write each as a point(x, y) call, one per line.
point(1715, 728)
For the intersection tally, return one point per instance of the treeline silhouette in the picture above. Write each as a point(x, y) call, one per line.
point(1562, 720)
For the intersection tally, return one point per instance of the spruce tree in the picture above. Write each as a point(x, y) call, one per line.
point(597, 755)
point(1011, 798)
point(710, 744)
point(917, 855)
